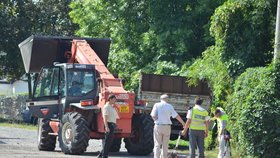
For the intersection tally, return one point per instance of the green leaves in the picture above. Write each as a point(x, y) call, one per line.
point(21, 18)
point(211, 68)
point(148, 35)
point(254, 107)
point(244, 33)
point(246, 36)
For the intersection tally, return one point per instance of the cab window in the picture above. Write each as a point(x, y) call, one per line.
point(47, 83)
point(80, 82)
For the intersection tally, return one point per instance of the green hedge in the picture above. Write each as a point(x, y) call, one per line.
point(255, 112)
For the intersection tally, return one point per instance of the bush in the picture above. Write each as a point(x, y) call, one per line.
point(11, 107)
point(210, 141)
point(255, 112)
point(214, 71)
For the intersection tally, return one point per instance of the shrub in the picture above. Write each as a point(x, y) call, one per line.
point(255, 112)
point(210, 141)
point(211, 68)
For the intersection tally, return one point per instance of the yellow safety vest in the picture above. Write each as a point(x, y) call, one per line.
point(224, 117)
point(198, 119)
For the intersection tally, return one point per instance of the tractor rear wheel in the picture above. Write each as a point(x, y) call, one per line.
point(46, 142)
point(116, 145)
point(73, 134)
point(142, 130)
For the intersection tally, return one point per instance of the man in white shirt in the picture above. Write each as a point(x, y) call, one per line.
point(110, 117)
point(197, 123)
point(161, 114)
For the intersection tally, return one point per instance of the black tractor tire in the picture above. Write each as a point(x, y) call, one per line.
point(73, 134)
point(142, 142)
point(46, 142)
point(116, 145)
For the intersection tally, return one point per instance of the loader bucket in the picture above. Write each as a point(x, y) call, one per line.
point(39, 51)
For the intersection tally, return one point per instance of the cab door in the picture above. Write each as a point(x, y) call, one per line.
point(48, 89)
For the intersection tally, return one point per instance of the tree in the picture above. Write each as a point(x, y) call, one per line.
point(21, 18)
point(10, 57)
point(243, 39)
point(146, 32)
point(245, 29)
point(244, 32)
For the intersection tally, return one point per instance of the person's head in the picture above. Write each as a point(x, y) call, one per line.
point(218, 113)
point(164, 97)
point(198, 101)
point(112, 99)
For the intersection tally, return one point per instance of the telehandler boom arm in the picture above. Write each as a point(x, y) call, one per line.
point(84, 54)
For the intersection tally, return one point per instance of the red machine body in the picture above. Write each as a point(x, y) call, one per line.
point(82, 53)
point(75, 117)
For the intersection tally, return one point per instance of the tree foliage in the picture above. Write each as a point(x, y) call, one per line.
point(147, 34)
point(243, 38)
point(211, 68)
point(21, 18)
point(255, 112)
point(244, 33)
point(245, 30)
point(164, 37)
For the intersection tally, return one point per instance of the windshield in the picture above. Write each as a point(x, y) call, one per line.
point(80, 82)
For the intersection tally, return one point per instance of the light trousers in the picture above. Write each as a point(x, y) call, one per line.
point(224, 150)
point(161, 139)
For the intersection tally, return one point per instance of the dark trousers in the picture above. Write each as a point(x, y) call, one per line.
point(196, 139)
point(108, 140)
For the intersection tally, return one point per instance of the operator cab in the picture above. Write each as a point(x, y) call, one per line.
point(59, 86)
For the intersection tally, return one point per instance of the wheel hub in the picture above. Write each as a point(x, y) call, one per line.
point(67, 133)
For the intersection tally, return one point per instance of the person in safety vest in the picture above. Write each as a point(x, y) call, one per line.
point(197, 123)
point(223, 134)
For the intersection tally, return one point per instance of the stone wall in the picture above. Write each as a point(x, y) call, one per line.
point(12, 107)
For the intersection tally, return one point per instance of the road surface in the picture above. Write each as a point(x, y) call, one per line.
point(22, 143)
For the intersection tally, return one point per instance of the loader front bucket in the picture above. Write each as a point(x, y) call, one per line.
point(39, 51)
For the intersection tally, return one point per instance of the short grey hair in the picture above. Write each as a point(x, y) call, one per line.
point(163, 97)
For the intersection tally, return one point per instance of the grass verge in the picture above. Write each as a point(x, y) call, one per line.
point(16, 124)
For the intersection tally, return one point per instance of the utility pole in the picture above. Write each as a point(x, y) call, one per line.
point(277, 36)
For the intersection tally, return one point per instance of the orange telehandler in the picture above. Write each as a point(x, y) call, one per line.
point(70, 91)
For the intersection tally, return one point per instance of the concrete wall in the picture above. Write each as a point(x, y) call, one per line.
point(20, 87)
point(13, 89)
point(5, 89)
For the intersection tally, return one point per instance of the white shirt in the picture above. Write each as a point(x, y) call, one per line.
point(163, 111)
point(189, 115)
point(110, 112)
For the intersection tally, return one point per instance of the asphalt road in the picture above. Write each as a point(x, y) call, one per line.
point(22, 143)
